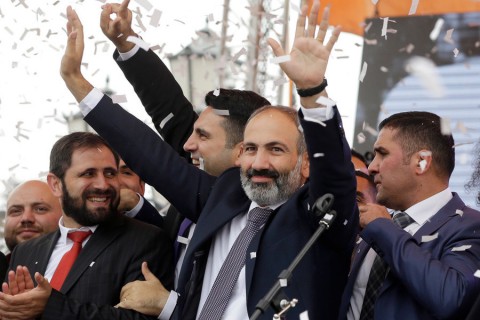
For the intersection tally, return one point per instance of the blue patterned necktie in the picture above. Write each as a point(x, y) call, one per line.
point(379, 272)
point(221, 291)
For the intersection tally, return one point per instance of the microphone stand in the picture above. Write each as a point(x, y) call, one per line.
point(271, 297)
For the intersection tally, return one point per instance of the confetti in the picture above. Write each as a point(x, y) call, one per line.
point(455, 52)
point(425, 70)
point(429, 238)
point(183, 240)
point(361, 138)
point(280, 59)
point(142, 44)
point(383, 69)
point(253, 255)
point(219, 112)
point(462, 248)
point(448, 36)
point(477, 274)
point(363, 72)
point(283, 283)
point(155, 18)
point(459, 212)
point(413, 7)
point(165, 120)
point(384, 27)
point(280, 81)
point(304, 315)
point(318, 155)
point(216, 92)
point(436, 29)
point(445, 127)
point(239, 54)
point(119, 98)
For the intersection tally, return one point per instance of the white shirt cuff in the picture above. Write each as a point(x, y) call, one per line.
point(135, 210)
point(90, 101)
point(169, 306)
point(318, 115)
point(124, 56)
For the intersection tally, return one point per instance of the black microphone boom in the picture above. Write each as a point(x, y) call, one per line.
point(321, 208)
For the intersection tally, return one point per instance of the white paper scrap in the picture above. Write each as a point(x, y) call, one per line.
point(283, 283)
point(280, 59)
point(436, 29)
point(304, 315)
point(477, 274)
point(318, 155)
point(462, 248)
point(119, 98)
point(183, 240)
point(448, 36)
point(413, 7)
point(253, 255)
point(165, 120)
point(430, 237)
point(363, 72)
point(459, 212)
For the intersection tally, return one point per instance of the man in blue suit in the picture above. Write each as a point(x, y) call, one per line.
point(431, 261)
point(277, 171)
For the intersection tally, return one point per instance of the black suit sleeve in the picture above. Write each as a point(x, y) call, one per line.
point(161, 96)
point(149, 214)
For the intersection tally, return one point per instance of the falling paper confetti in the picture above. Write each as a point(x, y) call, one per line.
point(318, 155)
point(462, 248)
point(361, 138)
point(119, 98)
point(459, 212)
point(363, 72)
point(413, 7)
point(429, 238)
point(455, 52)
point(216, 92)
point(280, 59)
point(477, 274)
point(425, 70)
point(448, 36)
point(445, 126)
point(304, 315)
point(165, 120)
point(436, 29)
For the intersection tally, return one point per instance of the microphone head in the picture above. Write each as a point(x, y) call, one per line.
point(323, 204)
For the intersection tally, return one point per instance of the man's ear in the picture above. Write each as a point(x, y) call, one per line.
point(305, 172)
point(237, 152)
point(55, 185)
point(424, 161)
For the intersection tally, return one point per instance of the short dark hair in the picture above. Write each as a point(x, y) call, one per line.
point(360, 173)
point(235, 106)
point(62, 150)
point(417, 130)
point(293, 115)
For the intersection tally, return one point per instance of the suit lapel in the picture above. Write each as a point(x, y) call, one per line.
point(45, 249)
point(98, 242)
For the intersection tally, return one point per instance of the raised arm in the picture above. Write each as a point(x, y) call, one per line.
point(161, 95)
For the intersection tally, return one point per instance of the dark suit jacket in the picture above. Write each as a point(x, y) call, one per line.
point(161, 96)
point(427, 280)
point(212, 202)
point(149, 214)
point(111, 258)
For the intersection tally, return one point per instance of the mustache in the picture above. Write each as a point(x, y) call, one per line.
point(98, 192)
point(263, 173)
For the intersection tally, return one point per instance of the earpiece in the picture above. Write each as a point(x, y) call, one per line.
point(423, 165)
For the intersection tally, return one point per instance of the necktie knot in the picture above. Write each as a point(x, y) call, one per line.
point(259, 216)
point(402, 219)
point(78, 236)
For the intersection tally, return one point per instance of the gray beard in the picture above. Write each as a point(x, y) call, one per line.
point(277, 191)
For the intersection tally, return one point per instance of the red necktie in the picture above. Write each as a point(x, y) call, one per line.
point(68, 258)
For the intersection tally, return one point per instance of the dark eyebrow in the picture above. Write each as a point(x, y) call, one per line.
point(202, 132)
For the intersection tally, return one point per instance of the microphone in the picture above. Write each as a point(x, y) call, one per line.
point(323, 204)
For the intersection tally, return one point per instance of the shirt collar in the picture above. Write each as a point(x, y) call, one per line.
point(424, 210)
point(64, 230)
